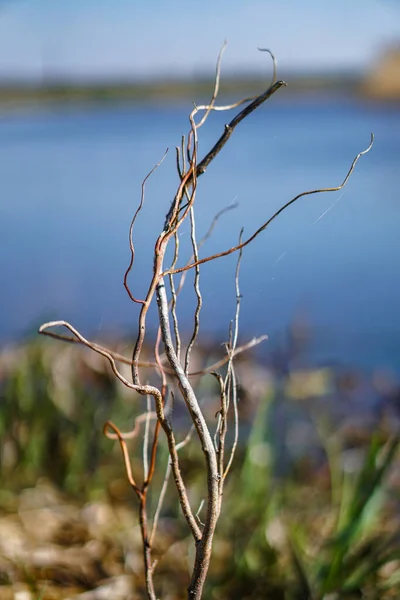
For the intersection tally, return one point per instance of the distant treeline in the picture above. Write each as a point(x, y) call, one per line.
point(17, 93)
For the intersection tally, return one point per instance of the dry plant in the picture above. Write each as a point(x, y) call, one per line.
point(172, 363)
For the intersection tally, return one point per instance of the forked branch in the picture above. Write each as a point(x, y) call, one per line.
point(274, 216)
point(173, 371)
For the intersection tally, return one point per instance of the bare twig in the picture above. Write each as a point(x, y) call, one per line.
point(238, 299)
point(216, 86)
point(167, 475)
point(197, 291)
point(130, 435)
point(199, 511)
point(274, 216)
point(218, 108)
point(146, 440)
point(274, 64)
point(125, 453)
point(189, 169)
point(220, 432)
point(230, 381)
point(150, 364)
point(131, 246)
point(142, 389)
point(206, 236)
point(233, 386)
point(204, 545)
point(172, 222)
point(174, 299)
point(230, 128)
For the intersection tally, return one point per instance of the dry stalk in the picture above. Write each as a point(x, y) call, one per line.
point(168, 365)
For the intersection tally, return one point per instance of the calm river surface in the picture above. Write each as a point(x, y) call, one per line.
point(70, 182)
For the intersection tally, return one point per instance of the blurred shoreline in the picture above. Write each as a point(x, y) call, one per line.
point(25, 94)
point(381, 83)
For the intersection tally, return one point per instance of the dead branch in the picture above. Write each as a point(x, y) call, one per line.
point(141, 389)
point(130, 435)
point(167, 475)
point(148, 363)
point(196, 286)
point(169, 364)
point(131, 246)
point(230, 128)
point(274, 216)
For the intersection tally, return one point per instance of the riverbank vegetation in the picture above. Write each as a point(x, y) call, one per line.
point(311, 504)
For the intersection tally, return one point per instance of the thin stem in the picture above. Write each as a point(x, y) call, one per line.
point(148, 567)
point(146, 441)
point(163, 492)
point(229, 129)
point(148, 364)
point(130, 435)
point(153, 456)
point(212, 107)
point(125, 454)
point(220, 432)
point(172, 222)
point(196, 285)
point(233, 386)
point(174, 299)
point(207, 235)
point(131, 246)
point(216, 86)
point(142, 389)
point(274, 216)
point(230, 381)
point(274, 63)
point(204, 545)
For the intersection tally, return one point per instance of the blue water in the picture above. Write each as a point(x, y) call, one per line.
point(70, 182)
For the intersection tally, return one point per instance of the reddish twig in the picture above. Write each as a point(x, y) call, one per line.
point(274, 216)
point(147, 363)
point(131, 246)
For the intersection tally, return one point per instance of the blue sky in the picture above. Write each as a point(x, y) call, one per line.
point(125, 38)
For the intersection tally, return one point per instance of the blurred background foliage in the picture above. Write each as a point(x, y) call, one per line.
point(320, 522)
